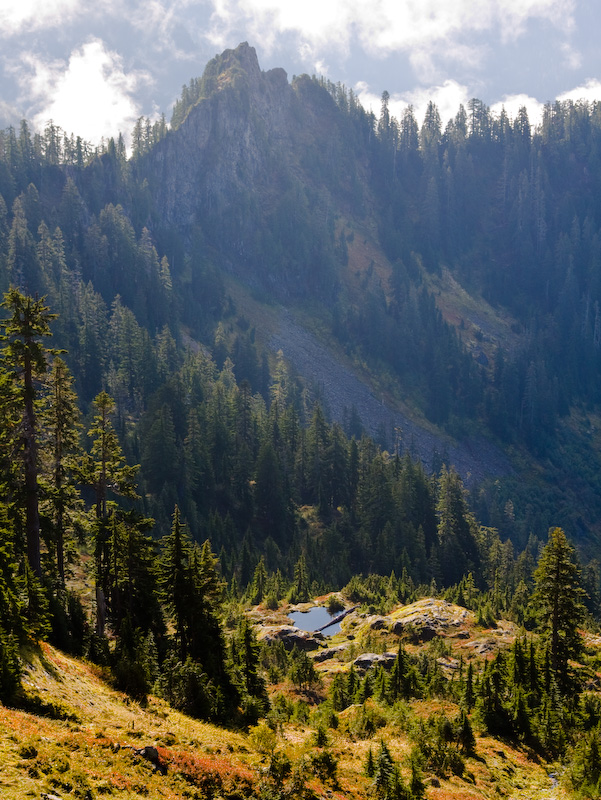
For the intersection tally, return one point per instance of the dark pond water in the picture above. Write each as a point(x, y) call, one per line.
point(313, 619)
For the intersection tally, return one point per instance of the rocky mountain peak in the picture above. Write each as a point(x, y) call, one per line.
point(232, 62)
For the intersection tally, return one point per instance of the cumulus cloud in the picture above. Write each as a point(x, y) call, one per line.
point(319, 25)
point(512, 104)
point(589, 91)
point(91, 95)
point(429, 31)
point(18, 16)
point(447, 96)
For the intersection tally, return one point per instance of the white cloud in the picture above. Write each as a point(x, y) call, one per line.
point(572, 58)
point(91, 96)
point(512, 104)
point(17, 16)
point(589, 92)
point(319, 25)
point(447, 96)
point(429, 31)
point(158, 20)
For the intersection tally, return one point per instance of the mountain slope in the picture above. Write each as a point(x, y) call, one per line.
point(453, 273)
point(89, 741)
point(256, 154)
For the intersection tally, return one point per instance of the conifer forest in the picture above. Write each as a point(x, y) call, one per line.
point(176, 478)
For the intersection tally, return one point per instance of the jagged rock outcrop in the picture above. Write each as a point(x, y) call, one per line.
point(253, 170)
point(227, 139)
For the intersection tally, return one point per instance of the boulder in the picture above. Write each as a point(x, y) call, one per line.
point(151, 754)
point(448, 663)
point(368, 660)
point(420, 631)
point(460, 635)
point(329, 652)
point(377, 623)
point(291, 636)
point(484, 646)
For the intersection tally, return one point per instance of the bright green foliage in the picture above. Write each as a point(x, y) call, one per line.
point(465, 734)
point(300, 585)
point(302, 670)
point(403, 679)
point(468, 693)
point(259, 582)
point(439, 742)
point(387, 782)
point(584, 770)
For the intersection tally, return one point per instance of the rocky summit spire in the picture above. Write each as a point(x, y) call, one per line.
point(232, 64)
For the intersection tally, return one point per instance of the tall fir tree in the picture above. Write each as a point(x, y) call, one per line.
point(61, 450)
point(559, 597)
point(24, 358)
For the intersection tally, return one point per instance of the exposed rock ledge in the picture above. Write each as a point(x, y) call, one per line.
point(291, 636)
point(422, 620)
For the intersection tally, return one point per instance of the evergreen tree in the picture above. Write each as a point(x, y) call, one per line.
point(105, 470)
point(259, 582)
point(456, 529)
point(560, 600)
point(468, 693)
point(24, 358)
point(61, 428)
point(174, 581)
point(246, 659)
point(300, 585)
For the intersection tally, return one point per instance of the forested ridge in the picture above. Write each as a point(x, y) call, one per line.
point(147, 428)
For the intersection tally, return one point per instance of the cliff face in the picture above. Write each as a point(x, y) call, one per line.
point(228, 140)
